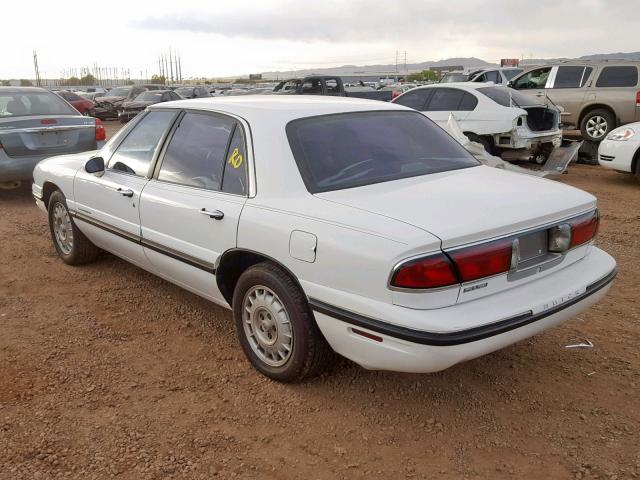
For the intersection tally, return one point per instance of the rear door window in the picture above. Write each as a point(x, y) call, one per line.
point(234, 178)
point(618, 77)
point(196, 153)
point(450, 100)
point(332, 86)
point(312, 87)
point(135, 153)
point(416, 98)
point(571, 76)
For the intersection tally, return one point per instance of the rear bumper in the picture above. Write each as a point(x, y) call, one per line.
point(17, 168)
point(523, 138)
point(407, 349)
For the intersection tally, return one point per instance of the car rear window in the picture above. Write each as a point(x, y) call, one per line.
point(507, 97)
point(348, 150)
point(16, 104)
point(618, 77)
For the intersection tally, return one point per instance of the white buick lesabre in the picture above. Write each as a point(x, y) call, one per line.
point(331, 224)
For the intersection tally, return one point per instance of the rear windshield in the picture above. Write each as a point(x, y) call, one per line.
point(355, 149)
point(119, 92)
point(15, 104)
point(150, 96)
point(507, 97)
point(184, 90)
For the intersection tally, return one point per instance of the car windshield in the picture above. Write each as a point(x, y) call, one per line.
point(509, 74)
point(149, 96)
point(508, 97)
point(119, 92)
point(14, 104)
point(355, 149)
point(184, 91)
point(454, 78)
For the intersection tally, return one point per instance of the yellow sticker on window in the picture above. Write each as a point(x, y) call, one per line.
point(236, 158)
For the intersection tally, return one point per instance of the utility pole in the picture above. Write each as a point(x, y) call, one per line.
point(180, 67)
point(396, 62)
point(405, 61)
point(166, 70)
point(35, 65)
point(171, 65)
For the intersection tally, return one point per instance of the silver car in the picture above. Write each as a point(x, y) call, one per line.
point(36, 124)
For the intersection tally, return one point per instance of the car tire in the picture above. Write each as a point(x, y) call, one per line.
point(70, 243)
point(597, 124)
point(486, 142)
point(275, 325)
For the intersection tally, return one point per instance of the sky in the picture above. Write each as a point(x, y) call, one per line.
point(219, 39)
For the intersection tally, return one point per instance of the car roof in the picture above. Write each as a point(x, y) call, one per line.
point(22, 89)
point(463, 85)
point(283, 109)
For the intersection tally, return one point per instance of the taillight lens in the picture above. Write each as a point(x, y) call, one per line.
point(638, 99)
point(101, 133)
point(428, 272)
point(483, 260)
point(394, 95)
point(584, 228)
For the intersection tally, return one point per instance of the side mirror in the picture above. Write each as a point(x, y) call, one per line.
point(510, 84)
point(94, 165)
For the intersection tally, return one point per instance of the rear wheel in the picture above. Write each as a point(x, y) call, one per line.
point(597, 124)
point(275, 326)
point(70, 243)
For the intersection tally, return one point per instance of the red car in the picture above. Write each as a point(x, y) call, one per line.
point(83, 105)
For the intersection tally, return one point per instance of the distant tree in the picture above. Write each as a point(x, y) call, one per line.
point(423, 76)
point(88, 80)
point(25, 83)
point(158, 79)
point(130, 82)
point(5, 83)
point(71, 81)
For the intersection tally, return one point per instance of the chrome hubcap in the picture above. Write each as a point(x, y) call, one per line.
point(267, 326)
point(597, 126)
point(62, 228)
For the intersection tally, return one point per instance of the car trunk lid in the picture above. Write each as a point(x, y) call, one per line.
point(47, 135)
point(469, 205)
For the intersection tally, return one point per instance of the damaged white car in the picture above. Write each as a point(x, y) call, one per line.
point(498, 117)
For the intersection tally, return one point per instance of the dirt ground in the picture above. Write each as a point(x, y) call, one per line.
point(109, 372)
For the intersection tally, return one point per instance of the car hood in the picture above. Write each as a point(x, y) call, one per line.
point(137, 104)
point(110, 99)
point(468, 205)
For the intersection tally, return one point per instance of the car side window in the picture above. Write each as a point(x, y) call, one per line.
point(618, 77)
point(136, 151)
point(197, 150)
point(571, 76)
point(534, 79)
point(332, 86)
point(468, 103)
point(445, 100)
point(234, 178)
point(312, 87)
point(493, 76)
point(415, 99)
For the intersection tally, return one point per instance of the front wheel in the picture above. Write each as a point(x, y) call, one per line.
point(70, 243)
point(275, 326)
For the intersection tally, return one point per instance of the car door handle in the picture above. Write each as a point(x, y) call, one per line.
point(125, 192)
point(217, 214)
point(539, 94)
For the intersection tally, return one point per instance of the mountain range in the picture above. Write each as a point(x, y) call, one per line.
point(466, 62)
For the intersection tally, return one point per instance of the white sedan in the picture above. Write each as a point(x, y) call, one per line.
point(498, 117)
point(620, 151)
point(331, 224)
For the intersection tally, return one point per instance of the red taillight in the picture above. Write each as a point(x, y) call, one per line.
point(101, 133)
point(584, 228)
point(48, 121)
point(394, 95)
point(427, 272)
point(483, 260)
point(638, 99)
